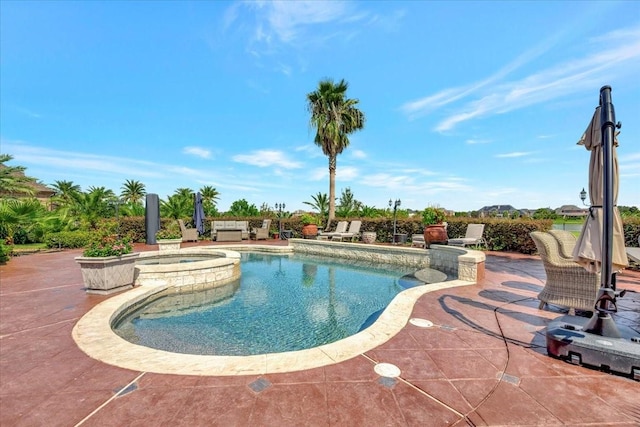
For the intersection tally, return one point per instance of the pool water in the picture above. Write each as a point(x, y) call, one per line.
point(280, 303)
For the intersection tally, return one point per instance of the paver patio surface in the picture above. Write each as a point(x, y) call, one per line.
point(483, 363)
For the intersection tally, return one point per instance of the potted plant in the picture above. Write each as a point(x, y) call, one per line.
point(107, 263)
point(309, 225)
point(435, 230)
point(169, 237)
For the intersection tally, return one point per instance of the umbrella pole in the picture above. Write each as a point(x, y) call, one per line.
point(601, 323)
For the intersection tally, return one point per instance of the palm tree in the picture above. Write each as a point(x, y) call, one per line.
point(320, 203)
point(210, 198)
point(92, 206)
point(64, 191)
point(347, 205)
point(12, 178)
point(133, 191)
point(334, 116)
point(184, 197)
point(176, 207)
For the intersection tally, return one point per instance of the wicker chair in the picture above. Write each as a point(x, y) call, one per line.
point(568, 284)
point(188, 234)
point(262, 233)
point(567, 242)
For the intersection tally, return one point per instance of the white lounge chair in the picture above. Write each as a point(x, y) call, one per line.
point(353, 233)
point(341, 227)
point(473, 236)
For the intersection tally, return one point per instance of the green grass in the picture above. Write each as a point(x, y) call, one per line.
point(30, 247)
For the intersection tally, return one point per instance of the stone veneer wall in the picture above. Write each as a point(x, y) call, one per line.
point(463, 264)
point(191, 276)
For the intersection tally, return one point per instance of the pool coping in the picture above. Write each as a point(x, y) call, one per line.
point(93, 334)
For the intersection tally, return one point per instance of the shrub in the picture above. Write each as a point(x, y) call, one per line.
point(5, 252)
point(433, 215)
point(67, 239)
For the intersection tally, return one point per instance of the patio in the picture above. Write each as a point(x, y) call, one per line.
point(483, 363)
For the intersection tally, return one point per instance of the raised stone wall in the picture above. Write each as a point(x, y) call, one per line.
point(191, 276)
point(461, 263)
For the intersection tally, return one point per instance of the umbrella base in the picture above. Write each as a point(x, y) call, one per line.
point(567, 339)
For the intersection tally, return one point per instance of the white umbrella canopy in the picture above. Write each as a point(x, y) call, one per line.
point(588, 250)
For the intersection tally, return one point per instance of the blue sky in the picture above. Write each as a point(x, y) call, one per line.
point(467, 103)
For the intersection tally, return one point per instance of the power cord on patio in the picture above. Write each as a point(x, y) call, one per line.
point(506, 341)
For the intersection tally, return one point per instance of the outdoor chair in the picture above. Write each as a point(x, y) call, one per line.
point(568, 283)
point(473, 236)
point(418, 240)
point(566, 241)
point(188, 234)
point(352, 233)
point(341, 227)
point(262, 233)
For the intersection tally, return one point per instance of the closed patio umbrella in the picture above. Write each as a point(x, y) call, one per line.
point(588, 250)
point(198, 214)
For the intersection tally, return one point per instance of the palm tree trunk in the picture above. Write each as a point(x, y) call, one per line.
point(332, 190)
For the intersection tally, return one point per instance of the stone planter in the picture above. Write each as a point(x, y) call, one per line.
point(369, 237)
point(105, 275)
point(169, 244)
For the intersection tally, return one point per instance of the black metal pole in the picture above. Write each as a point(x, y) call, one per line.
point(601, 323)
point(608, 119)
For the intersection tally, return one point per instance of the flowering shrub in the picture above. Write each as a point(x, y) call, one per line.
point(108, 245)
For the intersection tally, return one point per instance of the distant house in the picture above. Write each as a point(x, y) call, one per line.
point(499, 210)
point(571, 211)
point(40, 192)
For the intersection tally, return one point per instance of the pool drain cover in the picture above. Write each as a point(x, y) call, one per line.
point(387, 370)
point(421, 323)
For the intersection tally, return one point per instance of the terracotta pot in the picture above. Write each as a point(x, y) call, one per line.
point(309, 230)
point(435, 233)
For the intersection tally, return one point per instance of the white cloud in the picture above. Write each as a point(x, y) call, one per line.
point(571, 76)
point(346, 173)
point(267, 158)
point(477, 141)
point(358, 154)
point(197, 151)
point(514, 154)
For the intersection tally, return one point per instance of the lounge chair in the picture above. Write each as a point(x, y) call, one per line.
point(262, 232)
point(341, 227)
point(418, 240)
point(188, 234)
point(568, 283)
point(473, 236)
point(352, 233)
point(566, 241)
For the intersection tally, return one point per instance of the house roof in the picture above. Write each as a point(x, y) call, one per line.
point(40, 190)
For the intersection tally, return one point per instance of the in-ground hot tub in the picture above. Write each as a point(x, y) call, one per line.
point(198, 268)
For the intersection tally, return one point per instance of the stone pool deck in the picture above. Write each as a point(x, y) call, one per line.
point(483, 363)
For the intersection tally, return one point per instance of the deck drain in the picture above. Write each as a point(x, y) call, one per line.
point(259, 385)
point(387, 382)
point(421, 323)
point(126, 390)
point(387, 370)
point(511, 379)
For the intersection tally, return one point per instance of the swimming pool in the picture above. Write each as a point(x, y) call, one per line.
point(281, 303)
